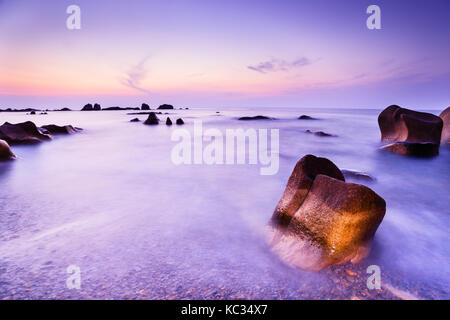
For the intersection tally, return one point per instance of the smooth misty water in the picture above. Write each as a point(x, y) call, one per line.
point(110, 200)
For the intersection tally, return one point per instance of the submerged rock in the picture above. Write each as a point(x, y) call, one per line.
point(168, 121)
point(54, 129)
point(135, 120)
point(351, 174)
point(22, 133)
point(305, 117)
point(152, 119)
point(165, 107)
point(321, 220)
point(5, 151)
point(255, 118)
point(411, 132)
point(445, 116)
point(180, 121)
point(320, 133)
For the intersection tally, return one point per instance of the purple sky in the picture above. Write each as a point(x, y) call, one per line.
point(214, 53)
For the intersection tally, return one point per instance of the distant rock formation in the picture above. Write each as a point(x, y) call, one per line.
point(305, 117)
point(255, 118)
point(410, 132)
point(87, 107)
point(5, 151)
point(97, 107)
point(165, 107)
point(180, 121)
point(22, 133)
point(168, 121)
point(321, 220)
point(145, 106)
point(152, 119)
point(135, 120)
point(445, 116)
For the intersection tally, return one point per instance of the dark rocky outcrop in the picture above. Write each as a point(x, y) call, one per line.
point(54, 129)
point(135, 120)
point(5, 151)
point(145, 106)
point(321, 220)
point(356, 175)
point(410, 132)
point(305, 117)
point(180, 121)
point(22, 133)
point(445, 116)
point(88, 107)
point(320, 133)
point(165, 107)
point(152, 119)
point(168, 121)
point(33, 112)
point(255, 118)
point(97, 107)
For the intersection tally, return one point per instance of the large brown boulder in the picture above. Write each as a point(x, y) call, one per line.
point(400, 125)
point(22, 133)
point(5, 151)
point(299, 183)
point(330, 221)
point(445, 116)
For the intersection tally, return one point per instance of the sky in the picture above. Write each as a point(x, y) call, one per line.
point(234, 53)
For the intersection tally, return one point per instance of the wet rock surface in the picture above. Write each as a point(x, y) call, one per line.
point(411, 133)
point(445, 116)
point(323, 221)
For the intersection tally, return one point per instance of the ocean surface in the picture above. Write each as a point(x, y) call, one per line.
point(110, 200)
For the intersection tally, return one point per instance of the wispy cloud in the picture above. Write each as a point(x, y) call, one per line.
point(134, 77)
point(276, 65)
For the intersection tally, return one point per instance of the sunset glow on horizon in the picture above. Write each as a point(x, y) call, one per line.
point(234, 53)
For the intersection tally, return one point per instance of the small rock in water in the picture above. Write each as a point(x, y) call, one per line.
point(180, 121)
point(168, 121)
point(152, 119)
point(255, 118)
point(145, 106)
point(135, 120)
point(54, 129)
point(352, 174)
point(320, 133)
point(305, 117)
point(165, 107)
